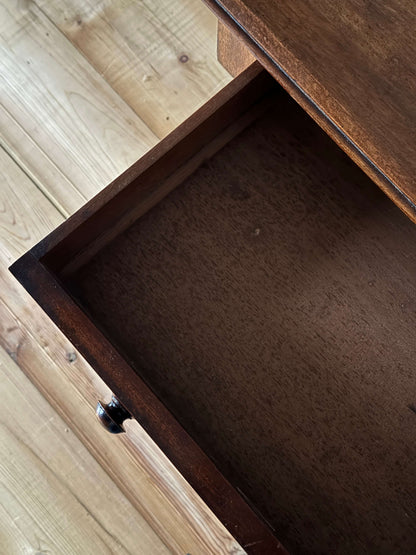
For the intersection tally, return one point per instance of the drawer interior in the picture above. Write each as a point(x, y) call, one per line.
point(270, 302)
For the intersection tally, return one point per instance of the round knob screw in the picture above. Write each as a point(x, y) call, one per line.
point(112, 415)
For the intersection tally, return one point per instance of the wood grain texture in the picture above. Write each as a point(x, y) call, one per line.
point(270, 302)
point(150, 483)
point(211, 119)
point(48, 502)
point(350, 64)
point(159, 56)
point(63, 105)
point(25, 214)
point(232, 52)
point(40, 131)
point(134, 462)
point(37, 165)
point(145, 183)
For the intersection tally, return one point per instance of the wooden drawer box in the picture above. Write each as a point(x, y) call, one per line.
point(250, 299)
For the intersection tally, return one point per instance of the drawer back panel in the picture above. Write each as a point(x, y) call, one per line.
point(270, 302)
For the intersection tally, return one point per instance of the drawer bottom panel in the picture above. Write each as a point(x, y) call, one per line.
point(270, 303)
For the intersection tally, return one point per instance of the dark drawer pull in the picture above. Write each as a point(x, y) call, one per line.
point(112, 415)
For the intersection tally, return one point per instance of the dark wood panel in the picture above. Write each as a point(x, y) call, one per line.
point(254, 535)
point(41, 271)
point(232, 52)
point(145, 183)
point(351, 65)
point(270, 303)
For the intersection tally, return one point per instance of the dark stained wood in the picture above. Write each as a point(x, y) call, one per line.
point(232, 52)
point(265, 311)
point(42, 270)
point(226, 503)
point(351, 66)
point(270, 303)
point(145, 183)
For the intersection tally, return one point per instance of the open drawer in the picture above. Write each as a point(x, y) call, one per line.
point(250, 299)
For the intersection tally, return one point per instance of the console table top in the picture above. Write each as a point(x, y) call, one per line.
point(352, 65)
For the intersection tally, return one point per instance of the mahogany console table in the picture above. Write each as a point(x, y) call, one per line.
point(249, 294)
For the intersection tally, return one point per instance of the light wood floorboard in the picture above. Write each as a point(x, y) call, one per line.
point(54, 496)
point(158, 55)
point(66, 108)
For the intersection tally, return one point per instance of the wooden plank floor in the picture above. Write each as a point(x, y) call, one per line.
point(86, 88)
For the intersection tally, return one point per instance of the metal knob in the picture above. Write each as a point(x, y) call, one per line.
point(112, 415)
